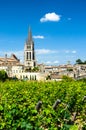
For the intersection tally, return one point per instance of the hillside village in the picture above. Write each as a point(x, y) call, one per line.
point(30, 70)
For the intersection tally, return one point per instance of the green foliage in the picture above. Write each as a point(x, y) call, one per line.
point(35, 69)
point(67, 78)
point(18, 100)
point(79, 61)
point(69, 69)
point(28, 70)
point(48, 77)
point(3, 75)
point(84, 79)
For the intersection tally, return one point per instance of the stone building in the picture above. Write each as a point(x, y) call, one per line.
point(29, 52)
point(12, 64)
point(7, 64)
point(9, 61)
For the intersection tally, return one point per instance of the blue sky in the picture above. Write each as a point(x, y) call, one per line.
point(58, 28)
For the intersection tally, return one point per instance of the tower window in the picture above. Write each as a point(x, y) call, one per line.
point(28, 47)
point(28, 55)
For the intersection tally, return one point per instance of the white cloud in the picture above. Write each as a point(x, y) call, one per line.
point(50, 17)
point(56, 62)
point(48, 62)
point(69, 51)
point(74, 52)
point(38, 37)
point(45, 51)
point(48, 51)
point(52, 62)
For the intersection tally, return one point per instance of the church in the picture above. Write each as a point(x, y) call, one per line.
point(29, 52)
point(12, 64)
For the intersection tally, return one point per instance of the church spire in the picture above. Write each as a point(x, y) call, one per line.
point(29, 53)
point(30, 35)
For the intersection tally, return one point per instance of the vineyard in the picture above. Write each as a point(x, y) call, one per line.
point(43, 105)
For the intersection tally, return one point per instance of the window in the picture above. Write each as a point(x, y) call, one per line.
point(28, 47)
point(16, 71)
point(28, 55)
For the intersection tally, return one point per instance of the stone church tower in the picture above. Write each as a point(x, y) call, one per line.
point(29, 53)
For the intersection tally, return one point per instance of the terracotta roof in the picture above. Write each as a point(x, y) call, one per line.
point(13, 58)
point(9, 61)
point(54, 76)
point(50, 67)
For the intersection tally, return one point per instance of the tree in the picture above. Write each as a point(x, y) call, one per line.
point(69, 69)
point(79, 61)
point(3, 75)
point(85, 62)
point(48, 77)
point(67, 78)
point(35, 69)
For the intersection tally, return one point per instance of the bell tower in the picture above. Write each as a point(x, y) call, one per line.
point(29, 53)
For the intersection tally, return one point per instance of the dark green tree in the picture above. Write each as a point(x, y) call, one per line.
point(79, 61)
point(85, 62)
point(3, 75)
